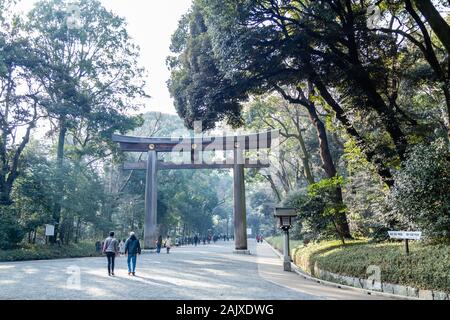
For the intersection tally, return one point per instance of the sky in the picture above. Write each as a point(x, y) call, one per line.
point(151, 24)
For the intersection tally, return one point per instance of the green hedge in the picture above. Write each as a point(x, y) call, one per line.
point(43, 252)
point(427, 266)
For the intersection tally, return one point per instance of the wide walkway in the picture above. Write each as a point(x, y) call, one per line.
point(203, 272)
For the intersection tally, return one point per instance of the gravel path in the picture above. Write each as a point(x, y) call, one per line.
point(203, 272)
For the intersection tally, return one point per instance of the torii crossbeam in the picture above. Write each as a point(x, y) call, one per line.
point(196, 146)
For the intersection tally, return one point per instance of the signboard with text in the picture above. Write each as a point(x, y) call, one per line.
point(49, 230)
point(405, 235)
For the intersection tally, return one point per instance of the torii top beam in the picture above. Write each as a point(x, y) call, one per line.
point(247, 142)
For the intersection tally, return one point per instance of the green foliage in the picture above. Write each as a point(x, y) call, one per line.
point(318, 208)
point(91, 76)
point(11, 232)
point(44, 252)
point(260, 210)
point(199, 90)
point(421, 195)
point(427, 266)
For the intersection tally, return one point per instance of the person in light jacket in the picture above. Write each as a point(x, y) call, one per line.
point(111, 248)
point(132, 249)
point(168, 243)
point(122, 247)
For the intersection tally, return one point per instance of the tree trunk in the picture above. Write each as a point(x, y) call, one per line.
point(305, 159)
point(328, 165)
point(381, 168)
point(273, 186)
point(59, 178)
point(5, 187)
point(436, 22)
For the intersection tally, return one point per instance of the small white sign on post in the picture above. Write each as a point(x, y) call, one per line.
point(405, 235)
point(412, 235)
point(49, 230)
point(249, 231)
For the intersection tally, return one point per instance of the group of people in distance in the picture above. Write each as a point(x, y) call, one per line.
point(167, 244)
point(130, 247)
point(198, 239)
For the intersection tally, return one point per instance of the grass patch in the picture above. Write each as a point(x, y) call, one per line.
point(45, 252)
point(277, 243)
point(427, 266)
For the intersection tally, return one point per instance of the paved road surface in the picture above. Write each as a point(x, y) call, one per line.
point(203, 272)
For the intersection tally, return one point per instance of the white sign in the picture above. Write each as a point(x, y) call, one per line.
point(413, 235)
point(249, 231)
point(49, 230)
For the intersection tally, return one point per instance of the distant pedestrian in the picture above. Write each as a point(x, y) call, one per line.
point(98, 246)
point(111, 248)
point(196, 240)
point(122, 247)
point(159, 244)
point(168, 243)
point(132, 249)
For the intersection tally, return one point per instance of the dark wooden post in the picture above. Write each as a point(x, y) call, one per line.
point(150, 230)
point(240, 218)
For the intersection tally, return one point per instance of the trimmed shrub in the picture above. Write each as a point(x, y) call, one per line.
point(427, 266)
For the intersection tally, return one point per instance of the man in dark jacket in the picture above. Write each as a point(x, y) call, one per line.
point(132, 249)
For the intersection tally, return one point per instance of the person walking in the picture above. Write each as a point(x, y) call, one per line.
point(196, 239)
point(168, 243)
point(159, 244)
point(98, 246)
point(132, 249)
point(110, 248)
point(122, 247)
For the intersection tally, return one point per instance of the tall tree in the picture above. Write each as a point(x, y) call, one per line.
point(190, 76)
point(90, 73)
point(20, 100)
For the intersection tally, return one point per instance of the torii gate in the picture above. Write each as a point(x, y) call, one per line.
point(238, 144)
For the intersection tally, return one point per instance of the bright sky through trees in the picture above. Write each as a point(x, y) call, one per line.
point(151, 24)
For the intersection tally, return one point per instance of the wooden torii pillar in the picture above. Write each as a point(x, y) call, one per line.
point(238, 144)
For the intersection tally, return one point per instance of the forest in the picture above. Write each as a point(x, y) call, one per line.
point(361, 99)
point(359, 91)
point(63, 92)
